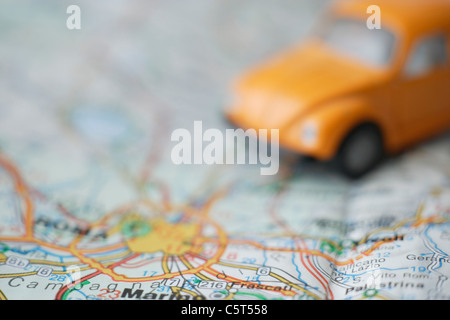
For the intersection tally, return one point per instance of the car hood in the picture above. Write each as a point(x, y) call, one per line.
point(298, 81)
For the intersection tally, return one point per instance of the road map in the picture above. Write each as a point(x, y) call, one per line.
point(91, 206)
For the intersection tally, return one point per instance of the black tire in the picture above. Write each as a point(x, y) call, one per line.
point(361, 151)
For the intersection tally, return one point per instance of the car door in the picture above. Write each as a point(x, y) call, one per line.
point(424, 88)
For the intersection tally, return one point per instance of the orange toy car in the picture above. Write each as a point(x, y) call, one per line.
point(351, 93)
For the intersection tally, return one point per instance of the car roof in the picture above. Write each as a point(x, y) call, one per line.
point(413, 16)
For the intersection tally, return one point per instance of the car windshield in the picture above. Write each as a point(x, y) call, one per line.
point(354, 39)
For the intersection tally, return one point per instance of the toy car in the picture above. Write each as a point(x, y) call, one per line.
point(353, 94)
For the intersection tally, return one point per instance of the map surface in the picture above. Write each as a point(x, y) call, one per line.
point(91, 206)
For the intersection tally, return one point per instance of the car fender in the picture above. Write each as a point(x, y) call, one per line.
point(337, 119)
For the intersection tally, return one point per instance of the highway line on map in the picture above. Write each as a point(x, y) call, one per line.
point(22, 191)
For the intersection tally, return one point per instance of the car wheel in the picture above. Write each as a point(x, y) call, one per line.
point(360, 151)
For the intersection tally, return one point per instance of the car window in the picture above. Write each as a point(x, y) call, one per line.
point(428, 54)
point(354, 39)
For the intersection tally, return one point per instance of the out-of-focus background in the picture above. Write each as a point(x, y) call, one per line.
point(86, 117)
point(183, 54)
point(139, 69)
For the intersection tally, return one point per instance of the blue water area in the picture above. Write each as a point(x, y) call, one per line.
point(101, 125)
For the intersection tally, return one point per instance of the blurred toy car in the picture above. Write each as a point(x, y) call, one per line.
point(352, 94)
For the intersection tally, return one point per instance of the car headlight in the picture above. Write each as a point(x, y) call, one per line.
point(309, 133)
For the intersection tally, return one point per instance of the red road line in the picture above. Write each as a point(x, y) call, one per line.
point(23, 192)
point(326, 287)
point(288, 231)
point(67, 287)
